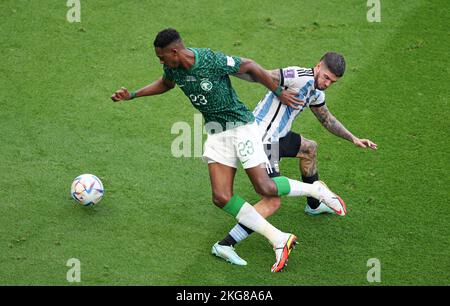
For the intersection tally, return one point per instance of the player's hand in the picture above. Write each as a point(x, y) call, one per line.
point(365, 143)
point(290, 99)
point(121, 95)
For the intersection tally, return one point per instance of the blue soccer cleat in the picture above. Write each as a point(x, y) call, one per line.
point(321, 209)
point(228, 253)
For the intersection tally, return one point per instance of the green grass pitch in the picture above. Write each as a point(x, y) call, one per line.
point(156, 223)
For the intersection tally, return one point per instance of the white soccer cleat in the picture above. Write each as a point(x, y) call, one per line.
point(332, 200)
point(228, 253)
point(282, 252)
point(321, 209)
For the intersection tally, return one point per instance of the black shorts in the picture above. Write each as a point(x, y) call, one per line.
point(288, 146)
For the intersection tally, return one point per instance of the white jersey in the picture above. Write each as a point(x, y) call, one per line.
point(274, 118)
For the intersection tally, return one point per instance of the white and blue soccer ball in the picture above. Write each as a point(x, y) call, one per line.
point(87, 189)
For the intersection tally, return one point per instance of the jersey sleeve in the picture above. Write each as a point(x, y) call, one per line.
point(319, 99)
point(226, 64)
point(288, 77)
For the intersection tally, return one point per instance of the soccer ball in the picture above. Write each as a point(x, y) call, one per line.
point(87, 189)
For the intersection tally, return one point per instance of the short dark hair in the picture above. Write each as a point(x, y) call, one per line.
point(166, 37)
point(335, 62)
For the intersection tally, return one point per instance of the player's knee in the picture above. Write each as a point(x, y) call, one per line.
point(220, 199)
point(274, 204)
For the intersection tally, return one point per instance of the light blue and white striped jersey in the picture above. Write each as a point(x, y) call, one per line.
point(274, 118)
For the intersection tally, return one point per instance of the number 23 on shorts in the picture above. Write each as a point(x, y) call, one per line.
point(245, 148)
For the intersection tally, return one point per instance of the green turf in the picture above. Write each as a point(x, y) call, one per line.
point(156, 223)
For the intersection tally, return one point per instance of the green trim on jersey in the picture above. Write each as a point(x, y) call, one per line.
point(196, 59)
point(208, 86)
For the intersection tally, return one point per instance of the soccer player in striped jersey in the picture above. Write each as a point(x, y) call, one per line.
point(275, 120)
point(233, 135)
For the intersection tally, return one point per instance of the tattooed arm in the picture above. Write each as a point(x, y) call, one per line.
point(337, 128)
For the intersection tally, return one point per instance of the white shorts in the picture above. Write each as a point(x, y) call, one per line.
point(241, 144)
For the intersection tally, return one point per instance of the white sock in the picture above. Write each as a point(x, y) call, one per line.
point(249, 217)
point(302, 189)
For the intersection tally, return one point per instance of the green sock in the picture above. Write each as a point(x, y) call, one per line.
point(234, 205)
point(282, 184)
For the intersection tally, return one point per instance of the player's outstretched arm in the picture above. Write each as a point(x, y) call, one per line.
point(337, 128)
point(275, 74)
point(256, 73)
point(158, 87)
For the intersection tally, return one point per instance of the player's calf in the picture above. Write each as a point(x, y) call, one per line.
point(308, 157)
point(268, 206)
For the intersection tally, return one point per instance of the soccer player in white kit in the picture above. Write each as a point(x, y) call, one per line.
point(275, 121)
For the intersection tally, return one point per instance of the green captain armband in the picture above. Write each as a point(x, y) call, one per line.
point(278, 91)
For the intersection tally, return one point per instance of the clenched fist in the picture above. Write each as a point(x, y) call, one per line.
point(121, 95)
